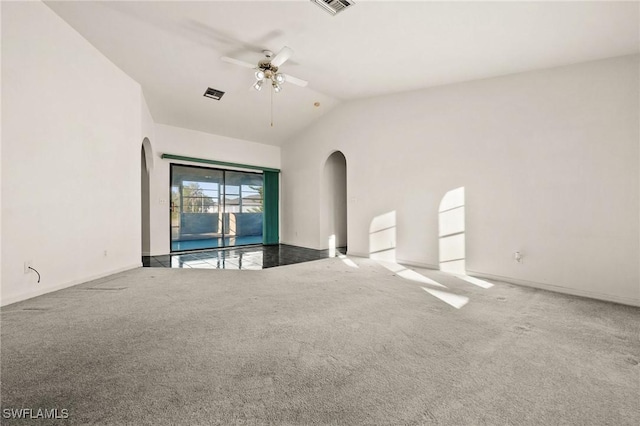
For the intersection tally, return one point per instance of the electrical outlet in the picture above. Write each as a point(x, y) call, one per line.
point(517, 256)
point(27, 264)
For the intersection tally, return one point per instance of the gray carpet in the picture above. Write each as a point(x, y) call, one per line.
point(319, 343)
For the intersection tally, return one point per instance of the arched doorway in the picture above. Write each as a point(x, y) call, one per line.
point(146, 163)
point(334, 195)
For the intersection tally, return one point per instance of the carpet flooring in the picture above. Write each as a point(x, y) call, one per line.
point(328, 342)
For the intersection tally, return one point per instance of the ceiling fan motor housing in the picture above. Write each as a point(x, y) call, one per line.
point(270, 71)
point(265, 65)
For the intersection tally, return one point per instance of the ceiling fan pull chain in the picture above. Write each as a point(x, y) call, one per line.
point(271, 106)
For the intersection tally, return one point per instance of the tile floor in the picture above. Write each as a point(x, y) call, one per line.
point(248, 257)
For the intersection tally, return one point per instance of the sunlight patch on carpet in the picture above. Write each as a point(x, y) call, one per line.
point(448, 298)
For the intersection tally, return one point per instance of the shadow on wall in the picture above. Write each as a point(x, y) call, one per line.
point(382, 237)
point(382, 249)
point(451, 231)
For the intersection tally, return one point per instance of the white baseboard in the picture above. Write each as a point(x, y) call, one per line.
point(40, 291)
point(356, 254)
point(525, 283)
point(418, 264)
point(559, 289)
point(400, 261)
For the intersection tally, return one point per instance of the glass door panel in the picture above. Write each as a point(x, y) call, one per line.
point(243, 208)
point(196, 200)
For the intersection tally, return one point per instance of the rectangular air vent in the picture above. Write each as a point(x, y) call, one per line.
point(334, 6)
point(213, 93)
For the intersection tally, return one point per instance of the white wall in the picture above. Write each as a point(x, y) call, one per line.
point(71, 135)
point(549, 161)
point(191, 143)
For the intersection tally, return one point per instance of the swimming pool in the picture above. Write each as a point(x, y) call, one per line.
point(181, 245)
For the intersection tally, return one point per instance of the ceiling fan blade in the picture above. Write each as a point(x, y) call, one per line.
point(294, 80)
point(282, 56)
point(237, 62)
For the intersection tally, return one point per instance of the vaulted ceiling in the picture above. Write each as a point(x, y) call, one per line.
point(173, 50)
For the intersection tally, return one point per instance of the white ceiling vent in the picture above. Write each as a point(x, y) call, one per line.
point(213, 93)
point(334, 6)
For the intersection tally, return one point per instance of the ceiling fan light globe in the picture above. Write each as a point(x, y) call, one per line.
point(259, 75)
point(276, 87)
point(280, 78)
point(258, 85)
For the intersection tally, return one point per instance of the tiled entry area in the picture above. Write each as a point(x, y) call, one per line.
point(249, 257)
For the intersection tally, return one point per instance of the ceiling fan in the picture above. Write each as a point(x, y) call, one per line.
point(267, 69)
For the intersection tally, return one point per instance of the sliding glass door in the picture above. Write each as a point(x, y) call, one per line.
point(212, 208)
point(243, 208)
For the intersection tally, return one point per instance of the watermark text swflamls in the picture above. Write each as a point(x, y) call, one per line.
point(35, 414)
